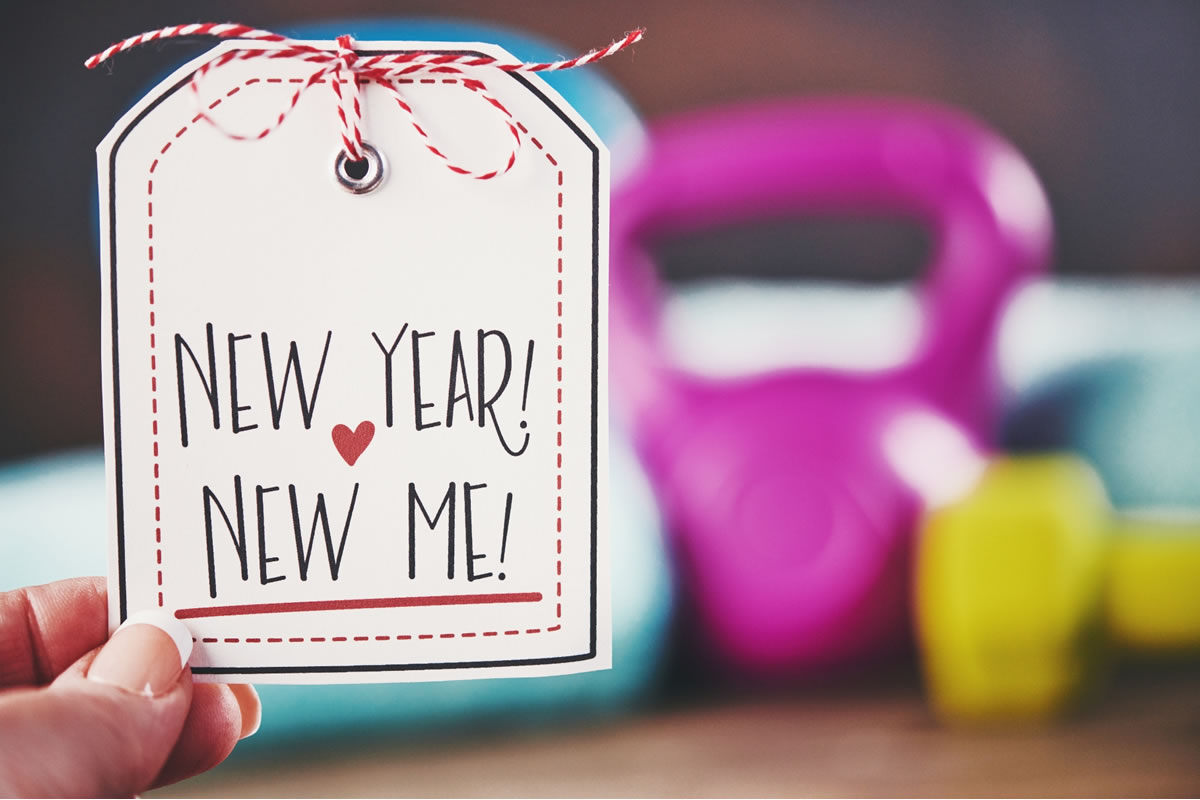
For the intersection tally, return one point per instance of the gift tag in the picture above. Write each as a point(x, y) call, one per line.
point(357, 408)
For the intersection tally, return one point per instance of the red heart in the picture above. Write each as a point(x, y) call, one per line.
point(350, 444)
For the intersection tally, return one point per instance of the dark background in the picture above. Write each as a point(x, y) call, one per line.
point(1102, 97)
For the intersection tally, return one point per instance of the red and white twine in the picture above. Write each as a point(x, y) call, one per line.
point(346, 70)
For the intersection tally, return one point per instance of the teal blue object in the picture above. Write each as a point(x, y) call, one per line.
point(53, 513)
point(53, 525)
point(53, 519)
point(1134, 418)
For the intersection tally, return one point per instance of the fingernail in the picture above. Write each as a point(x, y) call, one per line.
point(250, 705)
point(146, 654)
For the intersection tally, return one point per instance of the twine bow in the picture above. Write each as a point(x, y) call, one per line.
point(346, 71)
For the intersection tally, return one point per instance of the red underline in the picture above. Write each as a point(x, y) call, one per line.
point(376, 602)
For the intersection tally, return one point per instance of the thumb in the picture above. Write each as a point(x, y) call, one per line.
point(105, 727)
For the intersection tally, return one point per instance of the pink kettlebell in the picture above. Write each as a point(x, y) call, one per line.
point(791, 516)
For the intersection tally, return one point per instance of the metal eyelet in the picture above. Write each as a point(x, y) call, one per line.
point(360, 177)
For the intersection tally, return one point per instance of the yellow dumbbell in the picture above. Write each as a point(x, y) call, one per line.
point(1022, 586)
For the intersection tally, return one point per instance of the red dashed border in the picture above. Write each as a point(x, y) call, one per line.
point(154, 380)
point(154, 403)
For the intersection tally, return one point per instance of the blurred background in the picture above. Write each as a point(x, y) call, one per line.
point(1018, 636)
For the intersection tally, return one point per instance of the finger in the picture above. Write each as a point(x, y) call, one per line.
point(219, 717)
point(44, 629)
point(250, 706)
point(106, 726)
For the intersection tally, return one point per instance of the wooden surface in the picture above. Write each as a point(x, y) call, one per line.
point(1143, 739)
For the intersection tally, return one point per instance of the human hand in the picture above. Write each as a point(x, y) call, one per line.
point(81, 720)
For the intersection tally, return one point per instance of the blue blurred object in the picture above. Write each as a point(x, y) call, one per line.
point(53, 514)
point(53, 525)
point(1133, 417)
point(1108, 370)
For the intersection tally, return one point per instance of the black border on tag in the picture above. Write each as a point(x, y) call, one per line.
point(117, 461)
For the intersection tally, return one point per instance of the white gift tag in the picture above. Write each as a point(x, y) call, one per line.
point(358, 437)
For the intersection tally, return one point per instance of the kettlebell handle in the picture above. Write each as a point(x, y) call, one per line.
point(969, 189)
